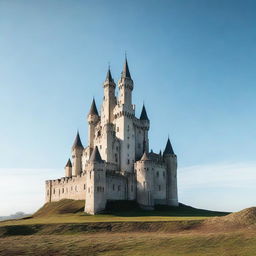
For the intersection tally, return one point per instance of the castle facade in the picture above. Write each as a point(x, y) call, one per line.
point(117, 164)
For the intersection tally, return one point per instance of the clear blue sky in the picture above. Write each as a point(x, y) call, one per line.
point(193, 64)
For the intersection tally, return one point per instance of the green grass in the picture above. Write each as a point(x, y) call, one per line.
point(70, 211)
point(62, 228)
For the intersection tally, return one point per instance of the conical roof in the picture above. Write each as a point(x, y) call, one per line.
point(145, 157)
point(95, 156)
point(143, 115)
point(93, 109)
point(69, 164)
point(77, 142)
point(126, 71)
point(109, 77)
point(168, 148)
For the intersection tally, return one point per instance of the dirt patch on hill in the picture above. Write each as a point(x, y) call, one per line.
point(244, 219)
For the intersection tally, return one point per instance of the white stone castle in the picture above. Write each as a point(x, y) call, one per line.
point(117, 164)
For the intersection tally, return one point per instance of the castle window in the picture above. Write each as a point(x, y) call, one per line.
point(157, 174)
point(102, 189)
point(159, 188)
point(116, 158)
point(88, 190)
point(117, 129)
point(62, 190)
point(119, 188)
point(163, 174)
point(54, 191)
point(113, 186)
point(84, 187)
point(128, 146)
point(128, 161)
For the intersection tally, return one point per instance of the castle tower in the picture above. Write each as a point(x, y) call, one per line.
point(77, 151)
point(109, 100)
point(145, 182)
point(170, 160)
point(125, 86)
point(68, 169)
point(124, 114)
point(93, 119)
point(95, 200)
point(145, 127)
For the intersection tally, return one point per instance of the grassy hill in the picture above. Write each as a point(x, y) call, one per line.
point(62, 228)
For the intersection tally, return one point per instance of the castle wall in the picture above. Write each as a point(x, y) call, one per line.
point(116, 187)
point(66, 188)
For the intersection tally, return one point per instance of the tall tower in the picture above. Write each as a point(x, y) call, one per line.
point(145, 127)
point(109, 100)
point(171, 163)
point(77, 151)
point(124, 114)
point(93, 119)
point(125, 86)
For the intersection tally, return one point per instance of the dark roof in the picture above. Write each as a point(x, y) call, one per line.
point(126, 72)
point(168, 148)
point(143, 115)
point(95, 156)
point(93, 109)
point(145, 157)
point(109, 77)
point(77, 142)
point(69, 164)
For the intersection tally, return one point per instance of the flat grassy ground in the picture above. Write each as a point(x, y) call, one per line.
point(63, 229)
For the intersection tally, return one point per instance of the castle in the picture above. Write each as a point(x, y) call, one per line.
point(117, 164)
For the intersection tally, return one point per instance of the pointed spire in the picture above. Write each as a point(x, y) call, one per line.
point(126, 72)
point(160, 152)
point(69, 164)
point(168, 148)
point(93, 109)
point(144, 157)
point(109, 76)
point(77, 142)
point(143, 115)
point(95, 156)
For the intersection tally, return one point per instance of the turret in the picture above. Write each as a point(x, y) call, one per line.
point(170, 160)
point(145, 182)
point(125, 86)
point(145, 127)
point(68, 169)
point(77, 151)
point(93, 119)
point(96, 184)
point(109, 101)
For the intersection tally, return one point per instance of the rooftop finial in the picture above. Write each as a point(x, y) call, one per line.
point(109, 76)
point(126, 72)
point(77, 142)
point(168, 148)
point(143, 115)
point(93, 109)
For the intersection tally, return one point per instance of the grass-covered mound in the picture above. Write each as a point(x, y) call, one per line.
point(64, 206)
point(242, 219)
